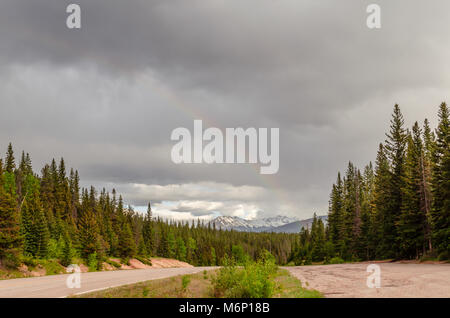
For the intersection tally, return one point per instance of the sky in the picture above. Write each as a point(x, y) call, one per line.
point(106, 97)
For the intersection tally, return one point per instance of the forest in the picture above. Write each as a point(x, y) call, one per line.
point(398, 208)
point(48, 216)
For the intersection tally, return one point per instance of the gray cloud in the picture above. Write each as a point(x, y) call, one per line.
point(106, 97)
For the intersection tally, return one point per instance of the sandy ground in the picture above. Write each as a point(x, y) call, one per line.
point(397, 280)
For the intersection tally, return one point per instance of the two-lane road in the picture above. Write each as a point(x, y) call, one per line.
point(55, 285)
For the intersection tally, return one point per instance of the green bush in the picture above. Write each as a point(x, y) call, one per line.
point(11, 258)
point(29, 261)
point(336, 260)
point(253, 280)
point(185, 280)
point(443, 256)
point(92, 262)
point(52, 267)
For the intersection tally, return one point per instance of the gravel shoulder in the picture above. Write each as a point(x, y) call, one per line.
point(397, 280)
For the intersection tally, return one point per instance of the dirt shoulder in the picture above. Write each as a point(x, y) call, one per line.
point(398, 279)
point(52, 267)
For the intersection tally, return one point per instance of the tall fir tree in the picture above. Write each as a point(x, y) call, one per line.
point(441, 184)
point(395, 151)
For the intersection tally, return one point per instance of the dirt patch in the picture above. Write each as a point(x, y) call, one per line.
point(38, 271)
point(168, 262)
point(397, 280)
point(107, 267)
point(134, 263)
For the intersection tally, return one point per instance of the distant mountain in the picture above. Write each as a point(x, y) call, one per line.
point(279, 224)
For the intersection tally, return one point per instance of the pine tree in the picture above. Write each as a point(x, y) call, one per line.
point(335, 218)
point(34, 224)
point(383, 228)
point(147, 231)
point(88, 234)
point(395, 151)
point(412, 222)
point(127, 245)
point(367, 239)
point(441, 185)
point(10, 165)
point(10, 239)
point(426, 166)
point(180, 249)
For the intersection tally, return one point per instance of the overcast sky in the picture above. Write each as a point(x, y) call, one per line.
point(107, 97)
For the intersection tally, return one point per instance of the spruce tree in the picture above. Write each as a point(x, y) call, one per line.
point(383, 227)
point(34, 224)
point(10, 239)
point(412, 221)
point(441, 185)
point(395, 151)
point(147, 231)
point(88, 234)
point(10, 165)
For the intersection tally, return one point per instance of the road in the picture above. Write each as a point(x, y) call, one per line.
point(396, 280)
point(55, 286)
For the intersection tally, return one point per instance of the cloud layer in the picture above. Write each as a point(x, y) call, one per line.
point(107, 97)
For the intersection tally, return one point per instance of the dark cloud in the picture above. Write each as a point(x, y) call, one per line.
point(107, 96)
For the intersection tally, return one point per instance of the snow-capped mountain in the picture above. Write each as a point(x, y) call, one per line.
point(278, 223)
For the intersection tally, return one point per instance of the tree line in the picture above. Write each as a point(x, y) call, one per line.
point(48, 216)
point(397, 209)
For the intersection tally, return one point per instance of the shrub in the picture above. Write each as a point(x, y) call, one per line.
point(52, 267)
point(92, 262)
point(336, 260)
point(253, 280)
point(443, 256)
point(11, 258)
point(29, 261)
point(185, 280)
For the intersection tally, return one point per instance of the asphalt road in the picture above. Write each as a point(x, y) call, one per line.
point(396, 280)
point(55, 286)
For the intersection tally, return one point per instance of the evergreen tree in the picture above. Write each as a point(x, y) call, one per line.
point(10, 165)
point(441, 185)
point(147, 231)
point(395, 151)
point(180, 249)
point(383, 227)
point(88, 234)
point(10, 239)
point(412, 222)
point(35, 229)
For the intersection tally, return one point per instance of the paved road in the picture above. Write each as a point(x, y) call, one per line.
point(397, 280)
point(55, 285)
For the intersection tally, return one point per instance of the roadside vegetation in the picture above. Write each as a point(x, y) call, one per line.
point(238, 278)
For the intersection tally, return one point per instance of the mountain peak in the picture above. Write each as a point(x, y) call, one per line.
point(278, 223)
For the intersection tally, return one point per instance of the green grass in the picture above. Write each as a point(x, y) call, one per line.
point(52, 267)
point(290, 287)
point(182, 286)
point(10, 274)
point(197, 286)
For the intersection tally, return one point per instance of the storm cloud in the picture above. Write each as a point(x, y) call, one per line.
point(106, 97)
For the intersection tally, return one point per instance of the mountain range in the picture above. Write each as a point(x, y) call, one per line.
point(279, 224)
